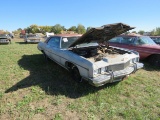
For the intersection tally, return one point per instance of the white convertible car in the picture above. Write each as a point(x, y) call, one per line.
point(89, 57)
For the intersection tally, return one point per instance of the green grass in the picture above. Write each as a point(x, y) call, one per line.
point(31, 88)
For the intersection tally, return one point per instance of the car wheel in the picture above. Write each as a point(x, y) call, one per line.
point(155, 60)
point(75, 74)
point(45, 56)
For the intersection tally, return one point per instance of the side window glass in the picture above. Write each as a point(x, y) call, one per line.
point(127, 40)
point(115, 40)
point(54, 42)
point(139, 42)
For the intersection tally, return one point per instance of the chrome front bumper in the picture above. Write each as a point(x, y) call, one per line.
point(114, 76)
point(4, 42)
point(33, 41)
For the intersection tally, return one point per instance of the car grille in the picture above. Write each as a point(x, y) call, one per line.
point(118, 66)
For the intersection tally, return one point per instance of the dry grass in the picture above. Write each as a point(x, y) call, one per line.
point(30, 88)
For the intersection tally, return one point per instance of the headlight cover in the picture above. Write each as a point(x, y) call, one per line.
point(103, 70)
point(95, 71)
point(134, 60)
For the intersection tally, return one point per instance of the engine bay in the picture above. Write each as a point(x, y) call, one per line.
point(98, 52)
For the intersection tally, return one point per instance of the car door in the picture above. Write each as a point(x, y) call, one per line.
point(53, 48)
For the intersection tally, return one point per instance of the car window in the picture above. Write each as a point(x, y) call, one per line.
point(156, 39)
point(54, 42)
point(127, 40)
point(115, 40)
point(144, 40)
point(67, 41)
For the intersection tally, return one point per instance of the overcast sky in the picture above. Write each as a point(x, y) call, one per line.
point(142, 14)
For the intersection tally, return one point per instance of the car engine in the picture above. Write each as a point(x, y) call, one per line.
point(98, 52)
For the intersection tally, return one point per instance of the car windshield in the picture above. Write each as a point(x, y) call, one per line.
point(145, 40)
point(67, 41)
point(3, 35)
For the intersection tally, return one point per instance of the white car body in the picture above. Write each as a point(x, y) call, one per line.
point(96, 64)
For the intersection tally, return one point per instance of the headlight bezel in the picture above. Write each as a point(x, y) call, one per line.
point(100, 70)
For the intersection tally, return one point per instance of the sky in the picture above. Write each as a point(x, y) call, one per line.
point(142, 14)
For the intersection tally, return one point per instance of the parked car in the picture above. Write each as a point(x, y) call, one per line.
point(5, 39)
point(21, 35)
point(32, 38)
point(156, 39)
point(11, 35)
point(88, 58)
point(146, 47)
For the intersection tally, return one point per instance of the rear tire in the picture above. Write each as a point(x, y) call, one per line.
point(155, 60)
point(75, 74)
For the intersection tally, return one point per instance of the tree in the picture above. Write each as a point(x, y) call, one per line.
point(152, 32)
point(73, 28)
point(80, 29)
point(44, 29)
point(88, 28)
point(134, 32)
point(157, 31)
point(57, 29)
point(141, 32)
point(34, 28)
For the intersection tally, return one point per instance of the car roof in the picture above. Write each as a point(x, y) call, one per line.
point(130, 35)
point(154, 36)
point(67, 35)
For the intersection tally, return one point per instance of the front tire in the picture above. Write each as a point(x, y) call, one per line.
point(155, 60)
point(45, 56)
point(76, 75)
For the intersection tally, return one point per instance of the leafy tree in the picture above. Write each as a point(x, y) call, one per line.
point(152, 33)
point(44, 29)
point(73, 28)
point(88, 28)
point(34, 28)
point(28, 30)
point(80, 29)
point(64, 29)
point(141, 32)
point(19, 29)
point(57, 29)
point(126, 33)
point(157, 31)
point(134, 32)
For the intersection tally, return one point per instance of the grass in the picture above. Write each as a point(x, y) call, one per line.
point(31, 88)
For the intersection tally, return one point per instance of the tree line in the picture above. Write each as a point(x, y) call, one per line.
point(56, 29)
point(80, 29)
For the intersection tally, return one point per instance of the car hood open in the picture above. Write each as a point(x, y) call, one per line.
point(103, 33)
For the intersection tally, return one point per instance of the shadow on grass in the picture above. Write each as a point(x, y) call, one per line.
point(149, 67)
point(25, 43)
point(52, 78)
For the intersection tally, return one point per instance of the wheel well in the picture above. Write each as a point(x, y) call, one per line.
point(151, 56)
point(42, 51)
point(69, 65)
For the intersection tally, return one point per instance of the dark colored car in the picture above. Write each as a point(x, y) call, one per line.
point(5, 39)
point(156, 39)
point(146, 47)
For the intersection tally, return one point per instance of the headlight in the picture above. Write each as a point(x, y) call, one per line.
point(134, 60)
point(96, 72)
point(103, 70)
point(135, 52)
